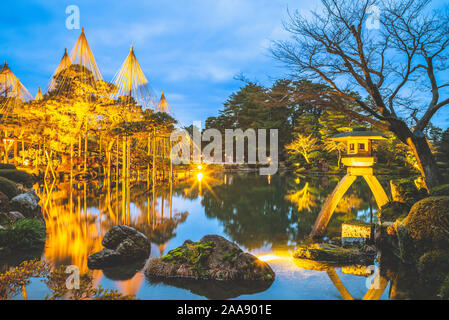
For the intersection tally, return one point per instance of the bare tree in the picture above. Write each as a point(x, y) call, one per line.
point(398, 67)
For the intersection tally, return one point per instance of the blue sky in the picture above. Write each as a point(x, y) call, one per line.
point(190, 49)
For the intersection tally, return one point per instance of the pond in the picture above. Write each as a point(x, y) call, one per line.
point(266, 216)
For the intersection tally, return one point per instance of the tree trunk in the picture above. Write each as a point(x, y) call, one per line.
point(426, 160)
point(418, 143)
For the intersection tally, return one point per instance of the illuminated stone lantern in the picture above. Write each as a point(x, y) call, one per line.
point(359, 160)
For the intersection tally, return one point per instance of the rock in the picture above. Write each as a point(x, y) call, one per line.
point(123, 244)
point(15, 216)
point(405, 191)
point(28, 205)
point(392, 211)
point(386, 238)
point(425, 228)
point(334, 254)
point(8, 187)
point(18, 176)
point(4, 202)
point(9, 218)
point(211, 258)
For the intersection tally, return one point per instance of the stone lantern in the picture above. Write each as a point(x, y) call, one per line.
point(359, 160)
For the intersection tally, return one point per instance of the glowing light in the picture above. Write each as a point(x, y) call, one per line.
point(200, 167)
point(269, 257)
point(199, 176)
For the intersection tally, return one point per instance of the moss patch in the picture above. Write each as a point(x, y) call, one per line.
point(8, 187)
point(191, 253)
point(18, 176)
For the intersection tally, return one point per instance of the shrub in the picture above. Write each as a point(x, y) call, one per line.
point(8, 187)
point(18, 176)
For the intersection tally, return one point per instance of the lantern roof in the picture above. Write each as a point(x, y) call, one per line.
point(358, 133)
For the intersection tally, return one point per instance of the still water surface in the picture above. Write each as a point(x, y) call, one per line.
point(266, 216)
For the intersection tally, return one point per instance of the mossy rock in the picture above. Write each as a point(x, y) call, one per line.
point(8, 187)
point(7, 166)
point(25, 234)
point(324, 252)
point(392, 211)
point(18, 176)
point(405, 191)
point(442, 190)
point(425, 228)
point(211, 258)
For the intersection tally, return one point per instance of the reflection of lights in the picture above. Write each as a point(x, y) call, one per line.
point(199, 176)
point(26, 162)
point(200, 167)
point(270, 257)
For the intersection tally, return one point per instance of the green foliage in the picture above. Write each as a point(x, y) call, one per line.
point(24, 234)
point(18, 176)
point(8, 187)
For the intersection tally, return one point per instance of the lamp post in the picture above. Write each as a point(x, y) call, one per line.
point(359, 160)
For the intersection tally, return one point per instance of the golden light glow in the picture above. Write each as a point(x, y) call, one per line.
point(268, 257)
point(199, 176)
point(277, 255)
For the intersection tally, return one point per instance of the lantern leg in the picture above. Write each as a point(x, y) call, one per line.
point(377, 288)
point(379, 193)
point(338, 284)
point(330, 205)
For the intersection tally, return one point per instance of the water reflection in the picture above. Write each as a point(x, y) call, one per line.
point(267, 218)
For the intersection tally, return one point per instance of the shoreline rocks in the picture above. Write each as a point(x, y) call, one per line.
point(323, 252)
point(211, 258)
point(123, 244)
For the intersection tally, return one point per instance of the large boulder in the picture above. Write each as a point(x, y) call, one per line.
point(426, 228)
point(123, 244)
point(211, 258)
point(325, 252)
point(27, 204)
